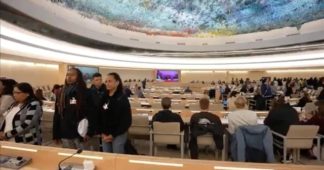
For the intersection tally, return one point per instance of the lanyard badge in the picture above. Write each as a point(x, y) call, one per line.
point(73, 101)
point(105, 106)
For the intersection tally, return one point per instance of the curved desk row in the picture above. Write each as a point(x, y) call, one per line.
point(47, 158)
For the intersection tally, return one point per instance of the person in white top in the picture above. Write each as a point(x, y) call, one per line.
point(241, 116)
point(6, 97)
point(9, 116)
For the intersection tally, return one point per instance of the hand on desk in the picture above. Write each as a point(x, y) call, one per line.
point(106, 138)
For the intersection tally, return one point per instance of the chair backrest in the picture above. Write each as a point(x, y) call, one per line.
point(206, 140)
point(301, 136)
point(166, 132)
point(140, 125)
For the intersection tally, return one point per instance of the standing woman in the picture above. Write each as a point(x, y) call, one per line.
point(23, 118)
point(70, 109)
point(116, 116)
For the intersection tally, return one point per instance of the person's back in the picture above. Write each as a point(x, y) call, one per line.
point(204, 117)
point(281, 117)
point(314, 115)
point(203, 123)
point(128, 92)
point(260, 102)
point(168, 116)
point(212, 93)
point(266, 89)
point(211, 121)
point(304, 100)
point(139, 93)
point(241, 116)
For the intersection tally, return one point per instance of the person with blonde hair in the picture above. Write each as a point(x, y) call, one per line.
point(241, 116)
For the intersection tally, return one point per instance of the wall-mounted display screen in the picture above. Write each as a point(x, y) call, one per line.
point(168, 75)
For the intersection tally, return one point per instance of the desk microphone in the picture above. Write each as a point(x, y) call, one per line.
point(77, 152)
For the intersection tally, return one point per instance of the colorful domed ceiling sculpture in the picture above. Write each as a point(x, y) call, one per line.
point(198, 18)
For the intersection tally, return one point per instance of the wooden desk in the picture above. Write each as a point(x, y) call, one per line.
point(47, 158)
point(158, 163)
point(188, 112)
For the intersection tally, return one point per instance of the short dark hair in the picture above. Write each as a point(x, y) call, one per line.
point(96, 75)
point(278, 102)
point(166, 103)
point(8, 86)
point(204, 103)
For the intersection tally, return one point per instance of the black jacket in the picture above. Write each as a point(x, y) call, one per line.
point(289, 91)
point(303, 101)
point(280, 118)
point(65, 122)
point(199, 126)
point(116, 114)
point(95, 101)
point(260, 102)
point(128, 92)
point(168, 116)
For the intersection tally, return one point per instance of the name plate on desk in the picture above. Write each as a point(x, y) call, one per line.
point(13, 162)
point(74, 166)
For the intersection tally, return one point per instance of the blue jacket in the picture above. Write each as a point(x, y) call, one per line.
point(266, 90)
point(252, 144)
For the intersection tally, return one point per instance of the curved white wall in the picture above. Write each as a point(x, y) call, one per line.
point(17, 41)
point(73, 22)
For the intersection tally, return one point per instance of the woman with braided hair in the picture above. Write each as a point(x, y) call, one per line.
point(70, 109)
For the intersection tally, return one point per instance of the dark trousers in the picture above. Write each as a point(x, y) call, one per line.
point(193, 147)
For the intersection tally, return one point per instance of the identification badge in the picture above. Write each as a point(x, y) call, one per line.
point(105, 106)
point(73, 101)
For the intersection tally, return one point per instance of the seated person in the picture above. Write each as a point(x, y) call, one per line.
point(260, 101)
point(166, 115)
point(280, 117)
point(202, 123)
point(314, 115)
point(305, 99)
point(139, 93)
point(241, 116)
point(128, 91)
point(212, 93)
point(187, 90)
